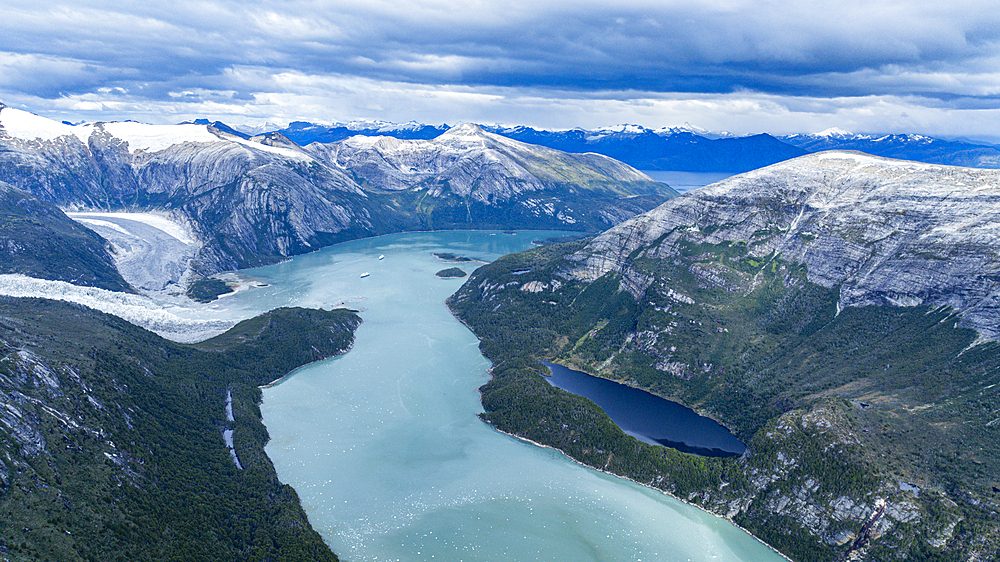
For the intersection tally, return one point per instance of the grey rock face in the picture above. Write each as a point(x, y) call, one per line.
point(885, 231)
point(256, 201)
point(148, 258)
point(469, 162)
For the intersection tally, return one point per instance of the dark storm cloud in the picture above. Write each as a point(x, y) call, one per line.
point(801, 48)
point(747, 65)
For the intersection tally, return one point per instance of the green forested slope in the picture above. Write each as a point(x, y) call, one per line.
point(842, 412)
point(111, 443)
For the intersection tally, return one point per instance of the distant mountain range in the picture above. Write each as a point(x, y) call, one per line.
point(305, 133)
point(681, 149)
point(687, 148)
point(904, 147)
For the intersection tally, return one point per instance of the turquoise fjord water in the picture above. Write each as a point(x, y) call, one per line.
point(388, 457)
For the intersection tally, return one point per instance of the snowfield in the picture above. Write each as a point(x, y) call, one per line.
point(28, 126)
point(154, 138)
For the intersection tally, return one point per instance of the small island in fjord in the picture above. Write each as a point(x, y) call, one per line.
point(451, 272)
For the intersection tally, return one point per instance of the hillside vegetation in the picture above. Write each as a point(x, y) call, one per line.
point(39, 240)
point(115, 450)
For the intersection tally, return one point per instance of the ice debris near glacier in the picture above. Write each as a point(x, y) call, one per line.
point(152, 251)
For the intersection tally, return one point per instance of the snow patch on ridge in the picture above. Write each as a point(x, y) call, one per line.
point(28, 126)
point(139, 136)
point(866, 160)
point(286, 152)
point(154, 138)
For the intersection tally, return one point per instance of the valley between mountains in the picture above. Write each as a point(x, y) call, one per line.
point(838, 312)
point(111, 435)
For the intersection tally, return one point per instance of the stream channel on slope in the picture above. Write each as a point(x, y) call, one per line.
point(385, 450)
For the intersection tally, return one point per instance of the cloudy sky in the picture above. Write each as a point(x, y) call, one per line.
point(745, 66)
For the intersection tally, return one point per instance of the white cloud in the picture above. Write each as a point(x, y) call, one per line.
point(541, 62)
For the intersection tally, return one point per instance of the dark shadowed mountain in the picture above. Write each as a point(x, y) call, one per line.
point(39, 240)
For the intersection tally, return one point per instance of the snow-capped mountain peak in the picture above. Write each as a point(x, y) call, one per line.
point(688, 128)
point(463, 130)
point(624, 128)
point(259, 128)
point(835, 132)
point(24, 125)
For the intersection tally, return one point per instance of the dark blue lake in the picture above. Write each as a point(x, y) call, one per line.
point(648, 417)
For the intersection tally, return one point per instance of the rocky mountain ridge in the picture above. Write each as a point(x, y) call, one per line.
point(687, 148)
point(921, 148)
point(469, 162)
point(883, 231)
point(256, 200)
point(677, 148)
